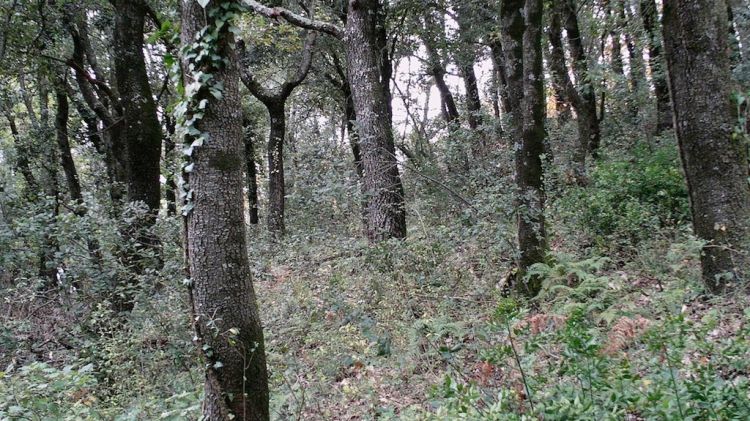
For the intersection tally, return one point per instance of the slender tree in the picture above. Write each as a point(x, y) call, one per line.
point(275, 102)
point(650, 17)
point(225, 311)
point(715, 163)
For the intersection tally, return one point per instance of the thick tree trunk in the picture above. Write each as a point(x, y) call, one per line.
point(251, 172)
point(715, 164)
point(276, 190)
point(225, 311)
point(650, 16)
point(529, 149)
point(386, 212)
point(142, 132)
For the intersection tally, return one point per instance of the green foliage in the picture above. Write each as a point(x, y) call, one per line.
point(629, 199)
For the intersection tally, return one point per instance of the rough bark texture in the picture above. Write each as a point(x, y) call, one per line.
point(715, 164)
point(650, 16)
point(276, 188)
point(170, 191)
point(251, 173)
point(587, 113)
point(222, 292)
point(142, 129)
point(512, 27)
point(529, 149)
point(386, 213)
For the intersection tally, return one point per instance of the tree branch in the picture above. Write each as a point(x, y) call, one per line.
point(295, 19)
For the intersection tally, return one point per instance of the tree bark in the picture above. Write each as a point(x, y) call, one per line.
point(715, 164)
point(66, 157)
point(529, 150)
point(142, 132)
point(225, 311)
point(276, 188)
point(251, 172)
point(386, 212)
point(649, 15)
point(587, 112)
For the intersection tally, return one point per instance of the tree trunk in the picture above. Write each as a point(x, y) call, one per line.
point(142, 132)
point(386, 212)
point(66, 157)
point(561, 79)
point(587, 112)
point(529, 149)
point(715, 164)
point(225, 311)
point(512, 28)
point(276, 168)
point(251, 173)
point(614, 35)
point(170, 191)
point(649, 14)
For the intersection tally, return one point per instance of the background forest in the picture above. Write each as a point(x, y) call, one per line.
point(374, 209)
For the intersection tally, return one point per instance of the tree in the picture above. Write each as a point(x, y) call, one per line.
point(715, 162)
point(522, 41)
point(275, 102)
point(649, 15)
point(225, 312)
point(369, 72)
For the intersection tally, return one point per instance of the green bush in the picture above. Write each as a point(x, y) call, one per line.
point(628, 200)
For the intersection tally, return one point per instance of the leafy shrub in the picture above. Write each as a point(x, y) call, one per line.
point(628, 200)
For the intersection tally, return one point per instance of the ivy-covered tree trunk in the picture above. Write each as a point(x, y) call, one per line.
point(529, 149)
point(715, 162)
point(224, 306)
point(650, 16)
point(386, 212)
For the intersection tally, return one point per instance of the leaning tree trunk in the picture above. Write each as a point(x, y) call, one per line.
point(225, 311)
point(529, 150)
point(587, 111)
point(386, 213)
point(649, 14)
point(715, 164)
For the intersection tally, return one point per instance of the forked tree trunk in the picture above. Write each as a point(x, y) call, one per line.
point(225, 310)
point(715, 164)
point(386, 213)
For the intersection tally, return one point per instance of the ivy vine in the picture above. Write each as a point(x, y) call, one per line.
point(197, 85)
